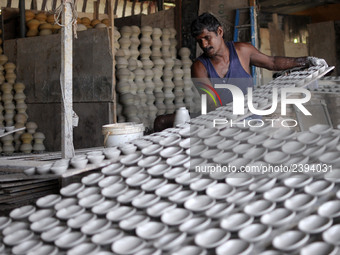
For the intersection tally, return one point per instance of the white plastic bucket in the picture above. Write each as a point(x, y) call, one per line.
point(120, 133)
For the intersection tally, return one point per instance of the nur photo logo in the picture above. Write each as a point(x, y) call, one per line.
point(239, 100)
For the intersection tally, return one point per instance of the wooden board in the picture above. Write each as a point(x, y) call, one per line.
point(38, 61)
point(276, 39)
point(325, 48)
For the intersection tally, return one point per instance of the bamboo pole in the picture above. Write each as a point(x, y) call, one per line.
point(66, 82)
point(114, 102)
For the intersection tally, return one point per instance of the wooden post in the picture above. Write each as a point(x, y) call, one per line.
point(96, 9)
point(178, 22)
point(67, 150)
point(113, 81)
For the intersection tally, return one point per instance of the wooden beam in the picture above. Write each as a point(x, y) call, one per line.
point(67, 150)
point(141, 7)
point(54, 4)
point(178, 22)
point(84, 6)
point(106, 9)
point(149, 7)
point(96, 9)
point(133, 7)
point(160, 5)
point(116, 7)
point(34, 5)
point(124, 8)
point(113, 81)
point(43, 5)
point(9, 3)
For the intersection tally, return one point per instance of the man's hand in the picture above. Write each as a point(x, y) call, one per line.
point(313, 61)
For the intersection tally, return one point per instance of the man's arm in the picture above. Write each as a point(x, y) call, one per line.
point(276, 63)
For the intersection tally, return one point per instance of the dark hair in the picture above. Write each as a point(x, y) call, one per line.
point(204, 21)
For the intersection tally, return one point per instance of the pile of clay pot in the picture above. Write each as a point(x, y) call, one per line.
point(85, 23)
point(13, 114)
point(151, 80)
point(40, 23)
point(43, 23)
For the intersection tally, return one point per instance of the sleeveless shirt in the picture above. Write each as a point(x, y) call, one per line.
point(236, 75)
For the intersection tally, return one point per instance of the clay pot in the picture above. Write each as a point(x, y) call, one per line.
point(26, 138)
point(50, 19)
point(31, 127)
point(94, 22)
point(45, 32)
point(10, 77)
point(20, 118)
point(38, 142)
point(33, 24)
point(3, 59)
point(19, 87)
point(6, 88)
point(81, 27)
point(29, 15)
point(7, 144)
point(86, 21)
point(32, 32)
point(21, 108)
point(9, 67)
point(26, 147)
point(100, 25)
point(41, 16)
point(55, 28)
point(106, 22)
point(45, 26)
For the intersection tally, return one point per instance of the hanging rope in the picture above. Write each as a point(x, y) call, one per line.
point(59, 10)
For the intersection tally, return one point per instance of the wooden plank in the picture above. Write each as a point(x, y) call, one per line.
point(113, 80)
point(15, 177)
point(67, 149)
point(124, 8)
point(141, 7)
point(22, 183)
point(133, 7)
point(84, 6)
point(276, 40)
point(96, 9)
point(43, 5)
point(106, 8)
point(54, 4)
point(31, 187)
point(19, 196)
point(116, 7)
point(34, 5)
point(325, 48)
point(149, 7)
point(178, 22)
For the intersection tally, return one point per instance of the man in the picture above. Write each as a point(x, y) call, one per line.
point(229, 62)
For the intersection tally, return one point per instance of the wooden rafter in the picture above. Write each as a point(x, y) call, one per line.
point(133, 7)
point(116, 7)
point(124, 7)
point(43, 5)
point(84, 6)
point(54, 4)
point(34, 5)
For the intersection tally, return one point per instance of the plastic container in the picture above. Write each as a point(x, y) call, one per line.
point(120, 133)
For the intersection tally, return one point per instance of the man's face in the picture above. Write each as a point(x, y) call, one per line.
point(210, 42)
